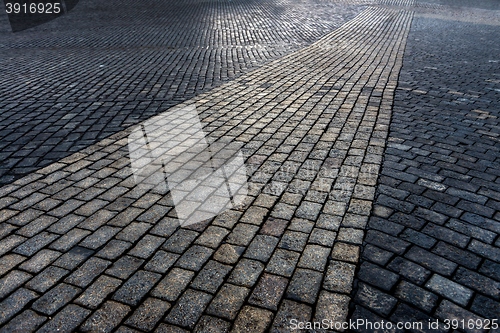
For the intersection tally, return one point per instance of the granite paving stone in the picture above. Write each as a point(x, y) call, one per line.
point(39, 261)
point(194, 257)
point(331, 307)
point(283, 262)
point(229, 254)
point(211, 277)
point(55, 298)
point(228, 301)
point(106, 318)
point(47, 278)
point(251, 319)
point(96, 293)
point(189, 308)
point(148, 314)
point(268, 291)
point(25, 322)
point(124, 267)
point(290, 310)
point(87, 272)
point(12, 281)
point(172, 285)
point(136, 287)
point(113, 249)
point(180, 240)
point(73, 257)
point(304, 286)
point(211, 324)
point(14, 303)
point(161, 262)
point(66, 320)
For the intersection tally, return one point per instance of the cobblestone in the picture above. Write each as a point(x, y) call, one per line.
point(47, 278)
point(148, 314)
point(66, 320)
point(57, 297)
point(25, 322)
point(189, 308)
point(12, 281)
point(304, 286)
point(173, 284)
point(246, 272)
point(228, 301)
point(252, 319)
point(106, 318)
point(211, 276)
point(350, 143)
point(269, 291)
point(98, 291)
point(136, 287)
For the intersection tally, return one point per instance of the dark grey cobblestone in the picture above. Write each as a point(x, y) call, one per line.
point(12, 281)
point(290, 310)
point(106, 318)
point(84, 275)
point(136, 287)
point(98, 291)
point(14, 303)
point(416, 296)
point(268, 291)
point(124, 267)
point(194, 258)
point(161, 262)
point(189, 308)
point(47, 278)
point(246, 272)
point(252, 319)
point(211, 277)
point(73, 257)
point(148, 314)
point(57, 297)
point(32, 245)
point(229, 254)
point(283, 262)
point(27, 321)
point(304, 286)
point(39, 261)
point(261, 248)
point(66, 320)
point(180, 240)
point(173, 284)
point(228, 301)
point(113, 249)
point(146, 246)
point(210, 324)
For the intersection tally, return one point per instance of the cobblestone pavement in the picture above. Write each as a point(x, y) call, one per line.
point(85, 248)
point(432, 248)
point(108, 64)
